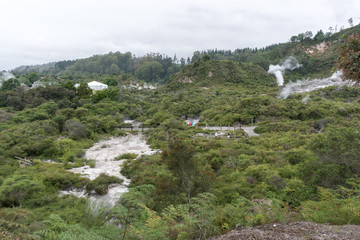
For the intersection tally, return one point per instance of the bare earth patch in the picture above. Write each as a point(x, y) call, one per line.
point(104, 154)
point(186, 80)
point(319, 48)
point(293, 231)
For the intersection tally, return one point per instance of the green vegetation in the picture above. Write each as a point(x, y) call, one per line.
point(150, 68)
point(126, 156)
point(303, 166)
point(205, 72)
point(349, 55)
point(101, 184)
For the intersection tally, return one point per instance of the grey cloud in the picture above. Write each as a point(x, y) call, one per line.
point(44, 31)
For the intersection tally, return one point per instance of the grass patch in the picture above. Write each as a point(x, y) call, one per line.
point(101, 184)
point(126, 156)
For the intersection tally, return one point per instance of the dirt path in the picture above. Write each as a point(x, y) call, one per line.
point(248, 129)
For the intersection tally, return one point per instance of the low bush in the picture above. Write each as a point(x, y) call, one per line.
point(126, 156)
point(101, 184)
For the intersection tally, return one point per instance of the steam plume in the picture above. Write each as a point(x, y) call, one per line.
point(307, 86)
point(289, 63)
point(4, 75)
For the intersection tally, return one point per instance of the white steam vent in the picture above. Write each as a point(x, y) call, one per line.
point(289, 63)
point(311, 85)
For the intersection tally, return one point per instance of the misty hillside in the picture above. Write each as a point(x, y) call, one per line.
point(40, 68)
point(317, 54)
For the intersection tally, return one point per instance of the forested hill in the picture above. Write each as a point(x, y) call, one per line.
point(205, 72)
point(150, 68)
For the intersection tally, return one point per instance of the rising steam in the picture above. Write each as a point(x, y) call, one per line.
point(289, 63)
point(4, 75)
point(310, 85)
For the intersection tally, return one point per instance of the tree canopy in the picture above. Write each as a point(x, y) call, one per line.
point(349, 58)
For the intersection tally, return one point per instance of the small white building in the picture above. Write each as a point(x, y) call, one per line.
point(94, 85)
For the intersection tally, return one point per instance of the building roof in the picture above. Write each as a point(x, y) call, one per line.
point(94, 85)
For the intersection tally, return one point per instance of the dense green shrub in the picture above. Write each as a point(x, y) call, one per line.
point(64, 180)
point(101, 184)
point(18, 188)
point(126, 156)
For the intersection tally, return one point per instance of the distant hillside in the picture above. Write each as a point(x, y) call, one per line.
point(150, 68)
point(206, 73)
point(40, 68)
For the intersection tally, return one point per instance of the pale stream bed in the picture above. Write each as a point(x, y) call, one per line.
point(104, 153)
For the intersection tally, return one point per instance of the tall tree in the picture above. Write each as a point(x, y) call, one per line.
point(301, 37)
point(350, 21)
point(33, 77)
point(149, 71)
point(182, 61)
point(349, 57)
point(319, 36)
point(69, 85)
point(10, 84)
point(181, 161)
point(294, 39)
point(84, 90)
point(308, 34)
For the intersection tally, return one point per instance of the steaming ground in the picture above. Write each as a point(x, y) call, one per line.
point(311, 85)
point(104, 154)
point(289, 63)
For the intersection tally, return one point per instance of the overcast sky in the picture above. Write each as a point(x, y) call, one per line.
point(41, 31)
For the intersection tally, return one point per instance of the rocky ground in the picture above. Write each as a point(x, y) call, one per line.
point(293, 231)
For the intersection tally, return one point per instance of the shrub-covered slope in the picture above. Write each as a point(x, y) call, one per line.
point(206, 72)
